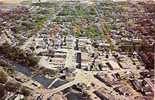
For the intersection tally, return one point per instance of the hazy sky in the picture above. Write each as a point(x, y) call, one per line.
point(17, 1)
point(11, 1)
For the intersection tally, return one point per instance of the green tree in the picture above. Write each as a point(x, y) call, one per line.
point(3, 77)
point(25, 91)
point(3, 91)
point(12, 86)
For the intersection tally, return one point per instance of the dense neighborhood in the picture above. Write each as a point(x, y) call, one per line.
point(77, 50)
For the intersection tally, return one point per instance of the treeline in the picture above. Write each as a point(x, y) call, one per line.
point(7, 68)
point(18, 55)
point(7, 85)
point(90, 32)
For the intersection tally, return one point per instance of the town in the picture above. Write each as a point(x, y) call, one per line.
point(77, 50)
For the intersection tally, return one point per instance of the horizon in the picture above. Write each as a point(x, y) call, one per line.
point(18, 1)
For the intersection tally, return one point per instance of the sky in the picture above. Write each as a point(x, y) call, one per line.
point(11, 1)
point(18, 1)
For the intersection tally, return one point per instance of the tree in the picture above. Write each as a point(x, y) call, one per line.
point(12, 86)
point(25, 91)
point(3, 91)
point(3, 77)
point(17, 55)
point(65, 33)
